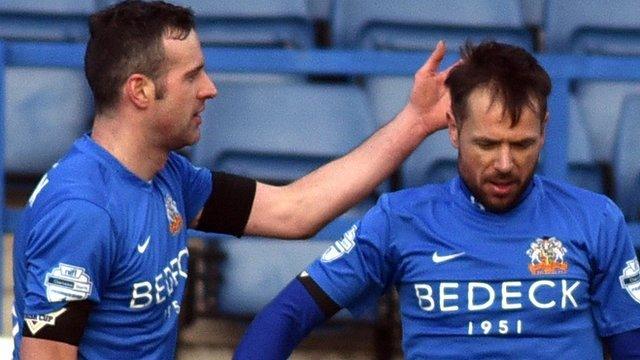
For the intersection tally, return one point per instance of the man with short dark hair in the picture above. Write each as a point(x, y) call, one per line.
point(100, 261)
point(497, 263)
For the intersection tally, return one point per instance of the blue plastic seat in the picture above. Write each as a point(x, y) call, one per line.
point(280, 132)
point(55, 20)
point(585, 170)
point(257, 23)
point(418, 25)
point(626, 164)
point(46, 110)
point(593, 26)
point(435, 160)
point(256, 269)
point(598, 107)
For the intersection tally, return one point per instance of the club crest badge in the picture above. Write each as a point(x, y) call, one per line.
point(630, 279)
point(173, 215)
point(341, 247)
point(547, 256)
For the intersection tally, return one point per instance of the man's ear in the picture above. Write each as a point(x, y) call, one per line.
point(543, 126)
point(453, 129)
point(139, 90)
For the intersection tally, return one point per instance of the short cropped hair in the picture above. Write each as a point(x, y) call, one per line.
point(127, 38)
point(511, 73)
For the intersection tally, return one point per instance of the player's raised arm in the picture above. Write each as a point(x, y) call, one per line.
point(301, 208)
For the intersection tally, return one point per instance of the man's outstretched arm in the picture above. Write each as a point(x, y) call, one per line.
point(286, 320)
point(300, 209)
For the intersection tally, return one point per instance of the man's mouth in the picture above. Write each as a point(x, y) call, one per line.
point(502, 188)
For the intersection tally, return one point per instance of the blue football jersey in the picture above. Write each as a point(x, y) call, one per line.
point(545, 280)
point(94, 231)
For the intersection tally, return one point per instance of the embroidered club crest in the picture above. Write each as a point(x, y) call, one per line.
point(547, 256)
point(630, 279)
point(174, 217)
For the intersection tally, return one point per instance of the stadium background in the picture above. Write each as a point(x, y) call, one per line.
point(301, 82)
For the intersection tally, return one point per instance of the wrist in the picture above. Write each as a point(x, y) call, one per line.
point(418, 121)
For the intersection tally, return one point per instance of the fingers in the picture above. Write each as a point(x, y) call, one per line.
point(434, 60)
point(445, 73)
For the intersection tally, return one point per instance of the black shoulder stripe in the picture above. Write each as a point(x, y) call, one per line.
point(65, 325)
point(326, 304)
point(228, 208)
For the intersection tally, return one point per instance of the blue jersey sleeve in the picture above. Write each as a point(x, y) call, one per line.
point(196, 185)
point(616, 284)
point(356, 270)
point(68, 255)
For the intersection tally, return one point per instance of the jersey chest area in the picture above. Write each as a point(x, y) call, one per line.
point(151, 261)
point(466, 280)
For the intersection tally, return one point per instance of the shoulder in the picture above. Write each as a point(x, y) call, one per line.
point(412, 199)
point(77, 177)
point(579, 201)
point(177, 163)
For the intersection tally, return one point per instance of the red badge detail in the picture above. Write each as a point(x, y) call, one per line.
point(547, 257)
point(174, 217)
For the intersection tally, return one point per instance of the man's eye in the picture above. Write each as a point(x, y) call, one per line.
point(486, 145)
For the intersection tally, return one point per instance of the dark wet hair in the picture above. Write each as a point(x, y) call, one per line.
point(511, 73)
point(127, 38)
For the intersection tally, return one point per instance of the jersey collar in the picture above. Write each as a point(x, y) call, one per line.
point(472, 201)
point(87, 145)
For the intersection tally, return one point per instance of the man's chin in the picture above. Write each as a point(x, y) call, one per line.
point(500, 204)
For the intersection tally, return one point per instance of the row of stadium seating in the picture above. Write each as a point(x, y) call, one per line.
point(52, 106)
point(547, 25)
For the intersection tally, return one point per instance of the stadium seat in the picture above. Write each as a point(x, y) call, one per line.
point(46, 110)
point(585, 170)
point(418, 25)
point(593, 27)
point(246, 287)
point(283, 131)
point(533, 12)
point(598, 107)
point(256, 23)
point(55, 20)
point(626, 167)
point(435, 159)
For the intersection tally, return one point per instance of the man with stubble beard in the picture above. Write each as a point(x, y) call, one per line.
point(497, 263)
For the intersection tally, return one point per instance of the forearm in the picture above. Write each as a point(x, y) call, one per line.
point(281, 325)
point(309, 203)
point(301, 208)
point(339, 185)
point(40, 349)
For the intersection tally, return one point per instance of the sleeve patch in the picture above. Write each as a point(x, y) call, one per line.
point(35, 323)
point(67, 283)
point(341, 247)
point(630, 279)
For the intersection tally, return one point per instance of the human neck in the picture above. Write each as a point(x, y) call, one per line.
point(129, 146)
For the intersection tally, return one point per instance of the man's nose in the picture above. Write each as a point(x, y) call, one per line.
point(504, 161)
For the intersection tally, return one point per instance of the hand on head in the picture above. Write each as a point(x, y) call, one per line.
point(430, 97)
